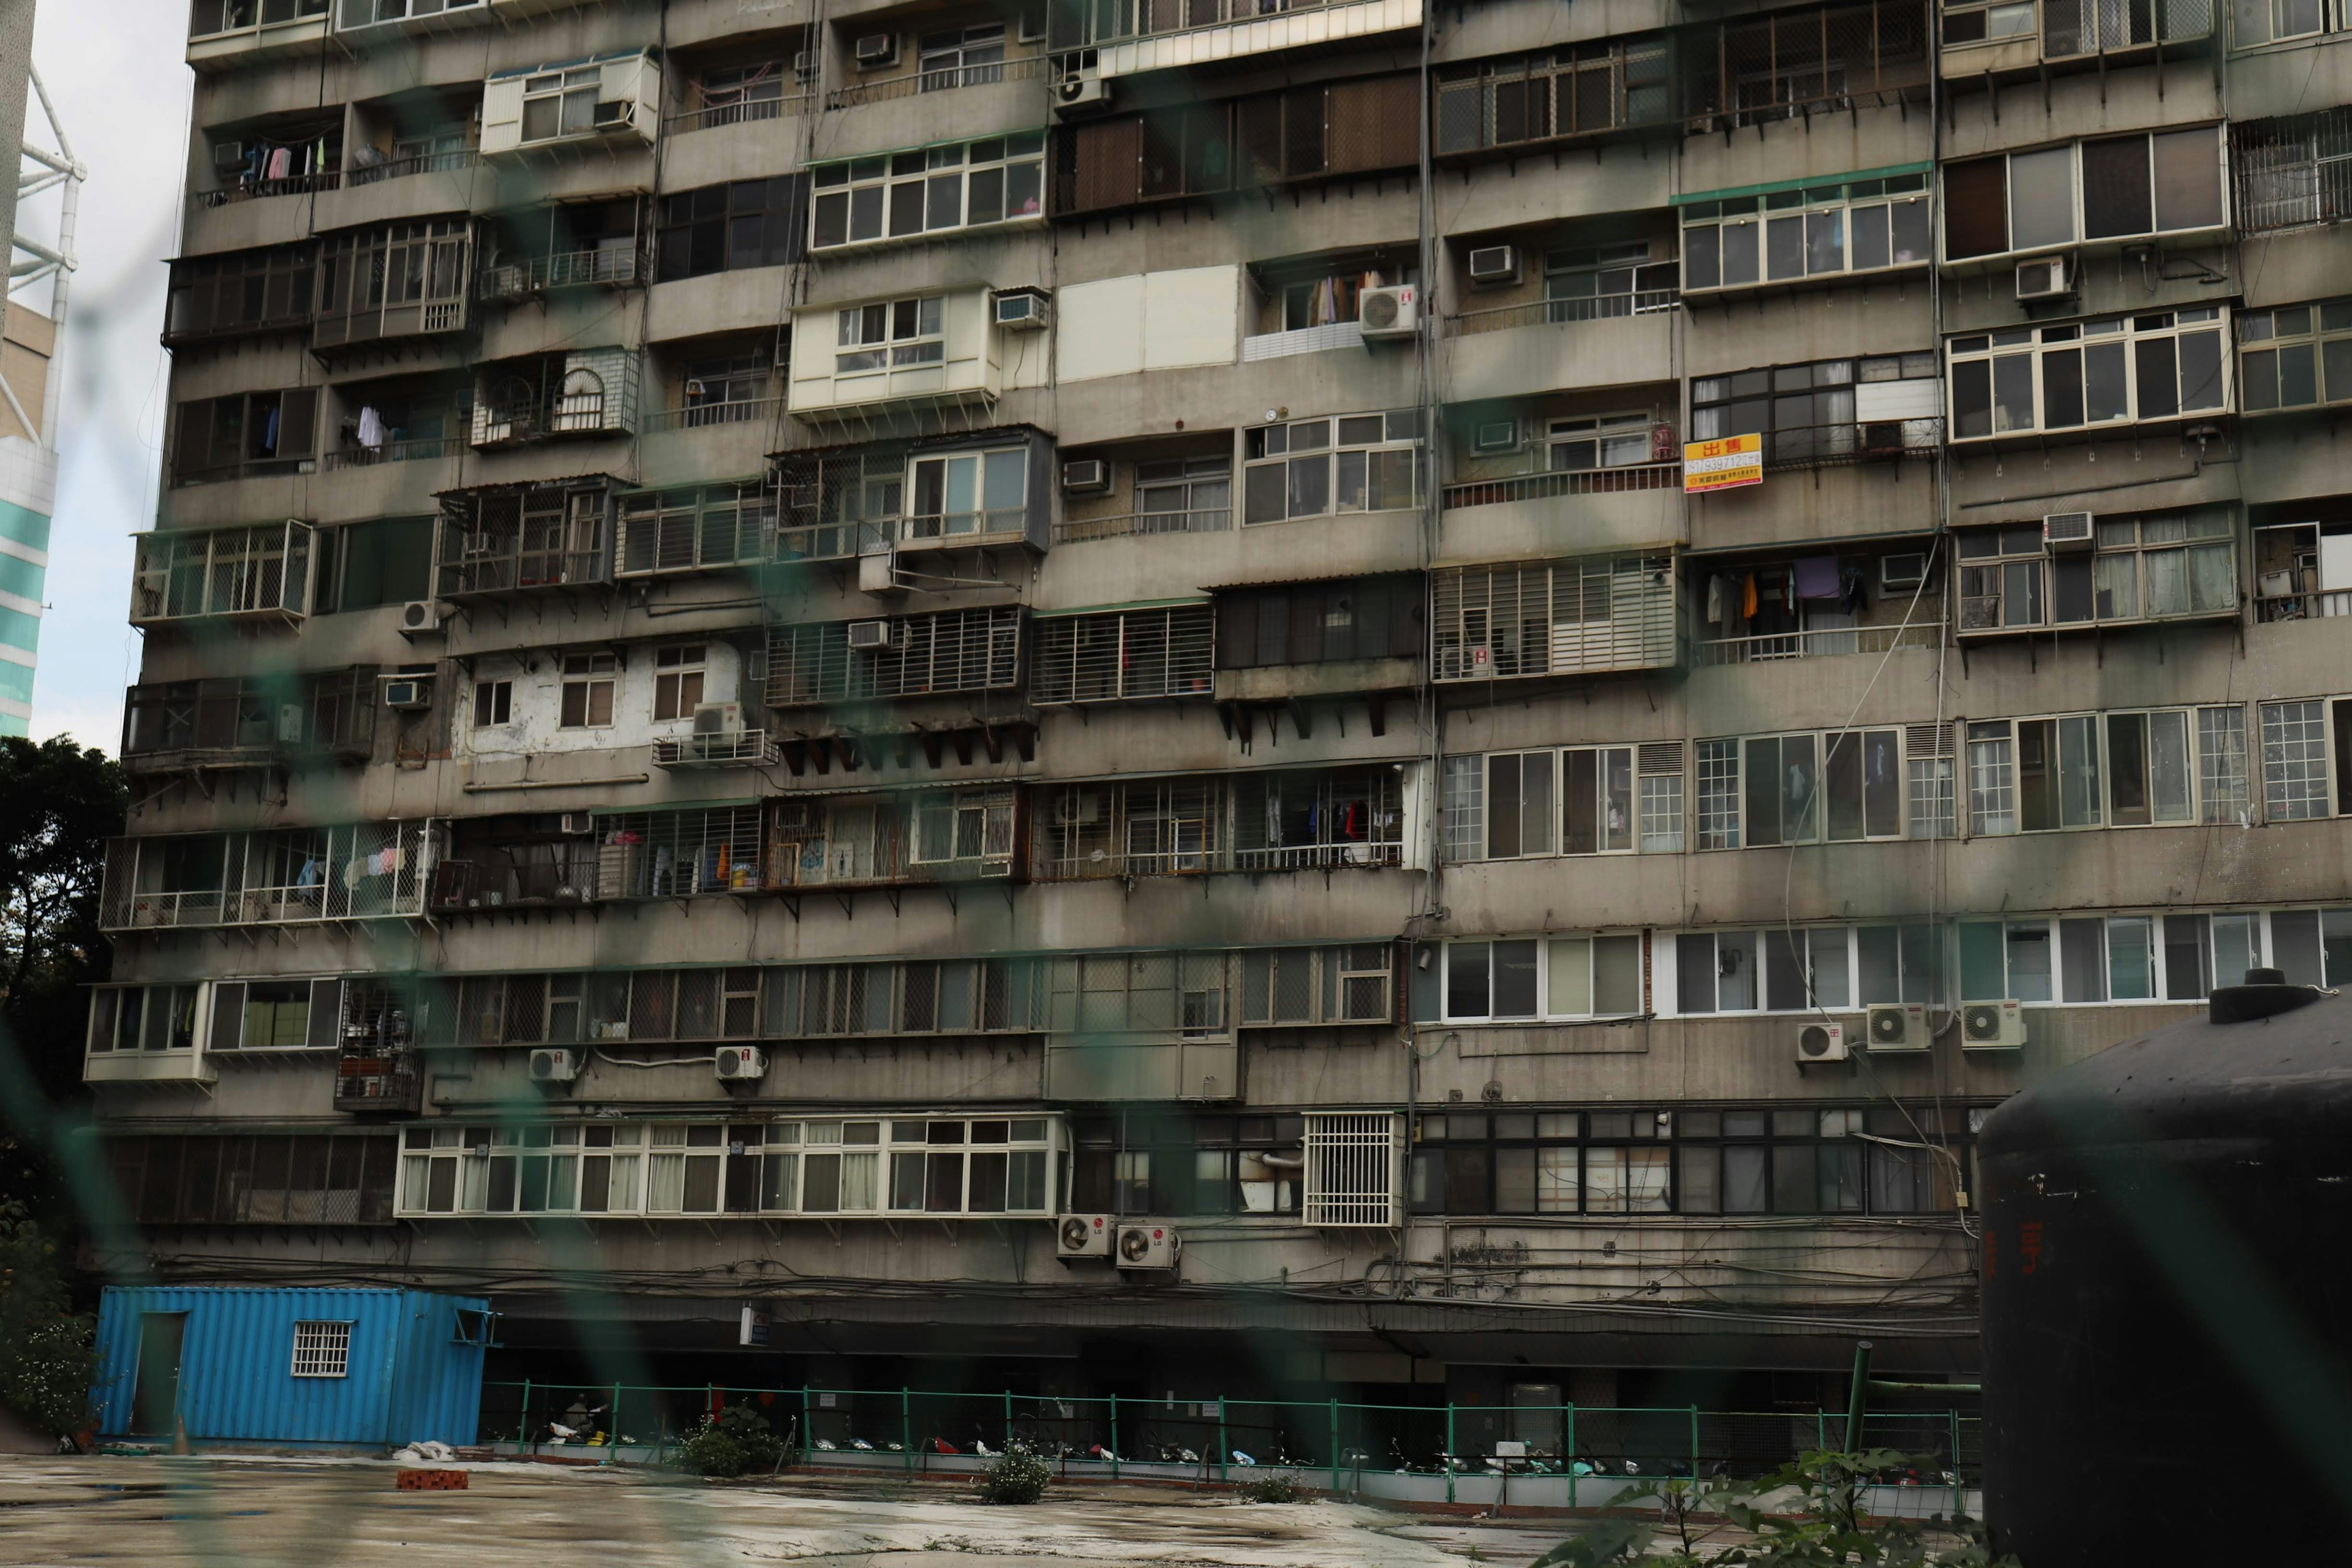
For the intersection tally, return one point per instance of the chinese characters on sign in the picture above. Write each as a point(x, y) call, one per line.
point(1727, 464)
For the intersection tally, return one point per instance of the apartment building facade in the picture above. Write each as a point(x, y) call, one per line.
point(1451, 688)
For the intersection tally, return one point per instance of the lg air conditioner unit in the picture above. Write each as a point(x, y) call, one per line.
point(1821, 1043)
point(741, 1064)
point(1081, 96)
point(1908, 570)
point(578, 824)
point(869, 636)
point(551, 1065)
point(1084, 1235)
point(1896, 1027)
point(1022, 310)
point(1991, 1026)
point(875, 50)
point(1386, 313)
point(715, 718)
point(420, 617)
point(1086, 477)
point(410, 694)
point(2044, 277)
point(1146, 1245)
point(1492, 265)
point(2067, 532)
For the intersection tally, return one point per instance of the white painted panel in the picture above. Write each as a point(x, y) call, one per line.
point(503, 115)
point(1101, 330)
point(2335, 560)
point(1880, 400)
point(1190, 317)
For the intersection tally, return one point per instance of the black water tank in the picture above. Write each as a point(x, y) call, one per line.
point(2167, 1294)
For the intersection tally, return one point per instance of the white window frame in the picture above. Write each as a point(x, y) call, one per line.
point(927, 176)
point(890, 334)
point(1996, 800)
point(2163, 931)
point(1566, 949)
point(981, 467)
point(1723, 763)
point(2040, 347)
point(1619, 440)
point(1338, 444)
point(322, 1348)
point(2297, 741)
point(566, 88)
point(1828, 219)
point(2311, 343)
point(2077, 222)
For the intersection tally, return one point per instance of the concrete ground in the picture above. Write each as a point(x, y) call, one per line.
point(160, 1513)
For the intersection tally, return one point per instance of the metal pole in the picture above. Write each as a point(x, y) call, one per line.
point(522, 1416)
point(1449, 1452)
point(1114, 1436)
point(1959, 1482)
point(907, 1426)
point(1223, 1452)
point(1008, 1421)
point(1571, 1456)
point(1858, 1399)
point(613, 1426)
point(1335, 1447)
point(1694, 1409)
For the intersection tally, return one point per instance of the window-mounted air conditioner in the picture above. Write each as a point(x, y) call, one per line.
point(1821, 1043)
point(2044, 277)
point(1991, 1026)
point(551, 1065)
point(228, 157)
point(1896, 1027)
point(741, 1064)
point(804, 65)
point(1496, 436)
point(878, 573)
point(614, 114)
point(408, 694)
point(1022, 310)
point(1392, 312)
point(1146, 1245)
point(1084, 1235)
point(2067, 532)
point(875, 50)
point(1908, 570)
point(1081, 96)
point(719, 719)
point(1492, 265)
point(578, 824)
point(869, 636)
point(1086, 477)
point(420, 617)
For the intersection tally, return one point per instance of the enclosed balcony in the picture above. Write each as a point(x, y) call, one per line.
point(222, 33)
point(240, 294)
point(190, 726)
point(2303, 571)
point(585, 395)
point(1314, 819)
point(612, 99)
point(880, 365)
point(1804, 59)
point(950, 652)
point(697, 528)
point(518, 862)
point(1132, 36)
point(525, 538)
point(2000, 40)
point(898, 839)
point(286, 875)
point(398, 283)
point(376, 1028)
point(604, 242)
point(256, 574)
point(2081, 573)
point(1585, 616)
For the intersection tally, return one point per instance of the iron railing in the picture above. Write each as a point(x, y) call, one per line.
point(703, 415)
point(420, 163)
point(1566, 482)
point(943, 78)
point(1816, 643)
point(613, 265)
point(1560, 312)
point(2312, 607)
point(743, 748)
point(398, 451)
point(710, 117)
point(285, 185)
point(1205, 520)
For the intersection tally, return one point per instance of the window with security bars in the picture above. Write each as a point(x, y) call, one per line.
point(1578, 800)
point(1322, 623)
point(1778, 67)
point(539, 537)
point(1253, 822)
point(1268, 138)
point(183, 574)
point(2294, 171)
point(835, 504)
point(679, 854)
point(1352, 1167)
point(321, 1349)
point(1568, 617)
point(1123, 656)
point(952, 650)
point(937, 835)
point(2254, 22)
point(403, 279)
point(2126, 768)
point(1134, 992)
point(1355, 984)
point(1574, 91)
point(244, 291)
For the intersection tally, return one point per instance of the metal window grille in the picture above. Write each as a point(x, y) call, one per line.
point(680, 854)
point(1718, 795)
point(1575, 90)
point(2092, 27)
point(2222, 788)
point(1602, 614)
point(1828, 57)
point(1351, 1168)
point(1126, 656)
point(262, 570)
point(954, 650)
point(322, 1350)
point(1928, 748)
point(694, 530)
point(2293, 172)
point(1661, 798)
point(499, 541)
point(2294, 760)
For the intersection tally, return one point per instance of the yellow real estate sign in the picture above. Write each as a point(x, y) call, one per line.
point(1734, 460)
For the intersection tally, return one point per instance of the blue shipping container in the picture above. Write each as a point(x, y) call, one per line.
point(344, 1368)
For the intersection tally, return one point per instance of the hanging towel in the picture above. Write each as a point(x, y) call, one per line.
point(371, 428)
point(270, 435)
point(278, 162)
point(1714, 599)
point(1851, 587)
point(1748, 598)
point(1817, 577)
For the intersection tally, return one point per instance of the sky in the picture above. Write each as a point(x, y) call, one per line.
point(117, 72)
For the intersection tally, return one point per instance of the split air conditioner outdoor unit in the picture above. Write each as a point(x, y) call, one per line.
point(741, 1064)
point(1081, 96)
point(1493, 265)
point(1822, 1043)
point(1896, 1027)
point(1084, 1235)
point(550, 1064)
point(2044, 277)
point(1392, 312)
point(1148, 1245)
point(719, 719)
point(1991, 1026)
point(420, 617)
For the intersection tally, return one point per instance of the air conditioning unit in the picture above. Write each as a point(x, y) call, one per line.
point(878, 573)
point(420, 617)
point(551, 1065)
point(1896, 1027)
point(875, 50)
point(1023, 310)
point(1882, 438)
point(1908, 570)
point(1394, 312)
point(2067, 532)
point(804, 65)
point(2044, 277)
point(1077, 808)
point(615, 114)
point(719, 719)
point(1496, 436)
point(1084, 1235)
point(741, 1064)
point(1821, 1043)
point(1086, 477)
point(228, 157)
point(578, 824)
point(1991, 1026)
point(869, 635)
point(1493, 265)
point(408, 694)
point(290, 723)
point(1081, 96)
point(1146, 1245)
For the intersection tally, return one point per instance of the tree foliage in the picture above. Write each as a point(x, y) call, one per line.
point(737, 1441)
point(46, 1358)
point(1017, 1477)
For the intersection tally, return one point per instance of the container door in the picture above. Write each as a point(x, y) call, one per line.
point(155, 1396)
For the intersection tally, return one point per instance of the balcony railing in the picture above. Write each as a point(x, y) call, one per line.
point(963, 524)
point(702, 415)
point(390, 1082)
point(1872, 441)
point(420, 163)
point(288, 185)
point(2312, 607)
point(1566, 482)
point(1303, 340)
point(611, 265)
point(1208, 520)
point(396, 451)
point(1560, 312)
point(290, 877)
point(1817, 644)
point(943, 80)
point(836, 540)
point(744, 749)
point(713, 116)
point(491, 884)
